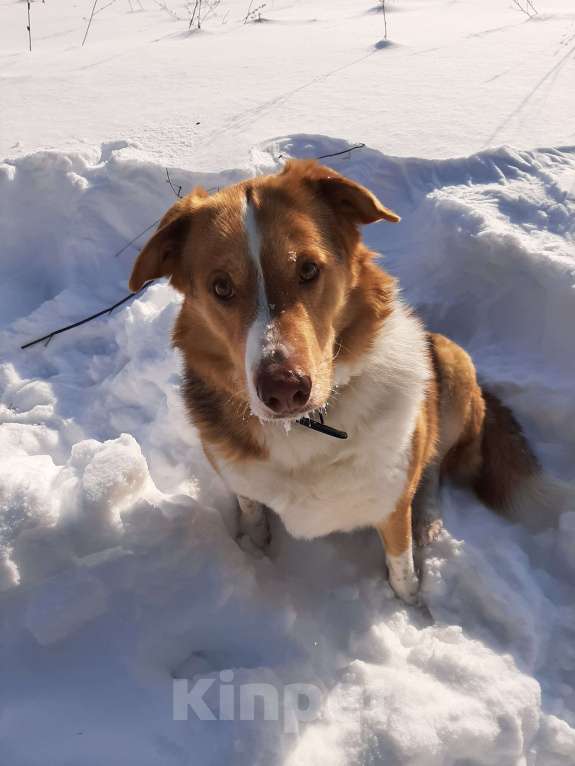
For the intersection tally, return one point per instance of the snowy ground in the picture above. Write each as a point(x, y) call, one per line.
point(455, 76)
point(117, 566)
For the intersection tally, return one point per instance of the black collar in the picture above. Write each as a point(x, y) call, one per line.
point(321, 427)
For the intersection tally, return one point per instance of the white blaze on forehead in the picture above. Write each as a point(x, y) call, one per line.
point(261, 323)
point(262, 338)
point(253, 235)
point(255, 252)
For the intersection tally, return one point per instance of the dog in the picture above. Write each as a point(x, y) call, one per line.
point(286, 320)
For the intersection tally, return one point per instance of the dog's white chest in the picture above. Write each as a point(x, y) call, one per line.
point(335, 486)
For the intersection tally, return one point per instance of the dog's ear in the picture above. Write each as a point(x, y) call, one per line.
point(161, 255)
point(346, 197)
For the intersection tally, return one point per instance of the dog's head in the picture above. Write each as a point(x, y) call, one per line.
point(275, 279)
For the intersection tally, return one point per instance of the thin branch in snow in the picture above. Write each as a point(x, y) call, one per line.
point(178, 193)
point(103, 8)
point(249, 10)
point(165, 7)
point(198, 8)
point(518, 5)
point(29, 27)
point(199, 15)
point(384, 19)
point(131, 242)
point(527, 8)
point(213, 6)
point(343, 151)
point(251, 14)
point(48, 338)
point(89, 22)
point(333, 154)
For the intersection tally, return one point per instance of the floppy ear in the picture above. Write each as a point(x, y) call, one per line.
point(161, 255)
point(346, 197)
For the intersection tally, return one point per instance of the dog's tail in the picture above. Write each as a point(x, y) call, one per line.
point(510, 478)
point(507, 476)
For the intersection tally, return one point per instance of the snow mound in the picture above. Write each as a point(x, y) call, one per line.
point(122, 584)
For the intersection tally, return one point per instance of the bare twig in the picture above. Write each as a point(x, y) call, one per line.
point(213, 6)
point(200, 15)
point(29, 27)
point(384, 19)
point(251, 14)
point(89, 22)
point(527, 8)
point(178, 193)
point(193, 15)
point(197, 9)
point(103, 8)
point(131, 242)
point(518, 5)
point(343, 151)
point(249, 10)
point(165, 7)
point(333, 154)
point(108, 311)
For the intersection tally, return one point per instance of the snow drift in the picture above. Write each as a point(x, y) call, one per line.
point(118, 567)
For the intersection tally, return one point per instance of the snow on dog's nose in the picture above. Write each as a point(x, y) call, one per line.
point(283, 390)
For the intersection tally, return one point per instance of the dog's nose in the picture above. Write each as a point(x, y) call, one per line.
point(281, 389)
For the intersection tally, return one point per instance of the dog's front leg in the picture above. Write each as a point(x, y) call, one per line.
point(253, 522)
point(396, 535)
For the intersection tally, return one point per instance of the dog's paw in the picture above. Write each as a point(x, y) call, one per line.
point(254, 528)
point(427, 533)
point(245, 543)
point(258, 533)
point(407, 590)
point(403, 578)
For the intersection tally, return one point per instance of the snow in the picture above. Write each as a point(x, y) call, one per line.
point(455, 78)
point(121, 583)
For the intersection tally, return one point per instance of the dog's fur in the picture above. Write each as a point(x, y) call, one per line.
point(409, 400)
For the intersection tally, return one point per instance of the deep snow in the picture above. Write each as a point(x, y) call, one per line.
point(120, 535)
point(118, 569)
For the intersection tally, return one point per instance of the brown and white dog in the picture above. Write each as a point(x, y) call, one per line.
point(285, 314)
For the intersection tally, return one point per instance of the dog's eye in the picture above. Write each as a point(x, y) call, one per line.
point(223, 288)
point(309, 270)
